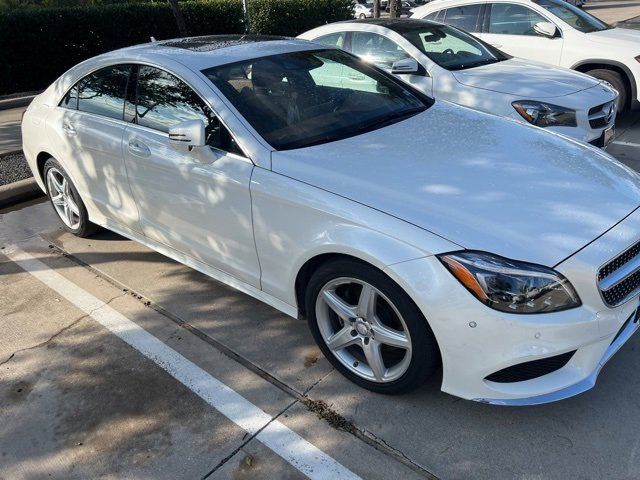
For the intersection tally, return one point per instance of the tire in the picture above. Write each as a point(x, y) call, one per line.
point(616, 80)
point(66, 201)
point(362, 16)
point(390, 316)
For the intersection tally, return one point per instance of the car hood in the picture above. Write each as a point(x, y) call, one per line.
point(614, 36)
point(528, 80)
point(478, 180)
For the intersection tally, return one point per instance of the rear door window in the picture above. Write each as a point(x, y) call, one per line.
point(102, 92)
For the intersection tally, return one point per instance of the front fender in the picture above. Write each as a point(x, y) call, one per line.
point(295, 222)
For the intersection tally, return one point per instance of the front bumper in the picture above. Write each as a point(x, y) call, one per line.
point(476, 341)
point(582, 386)
point(587, 105)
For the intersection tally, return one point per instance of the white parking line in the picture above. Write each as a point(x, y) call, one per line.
point(303, 455)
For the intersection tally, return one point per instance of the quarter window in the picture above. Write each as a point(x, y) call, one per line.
point(464, 17)
point(510, 19)
point(376, 49)
point(70, 100)
point(163, 101)
point(103, 92)
point(436, 16)
point(332, 40)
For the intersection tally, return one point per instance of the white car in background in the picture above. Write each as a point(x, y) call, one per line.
point(550, 31)
point(447, 63)
point(410, 232)
point(362, 10)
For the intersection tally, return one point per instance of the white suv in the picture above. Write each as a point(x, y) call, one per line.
point(550, 31)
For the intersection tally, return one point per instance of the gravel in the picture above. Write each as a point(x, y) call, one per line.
point(13, 167)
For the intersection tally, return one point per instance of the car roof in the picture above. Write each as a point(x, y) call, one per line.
point(209, 51)
point(399, 25)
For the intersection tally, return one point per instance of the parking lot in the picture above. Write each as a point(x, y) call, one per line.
point(117, 362)
point(84, 396)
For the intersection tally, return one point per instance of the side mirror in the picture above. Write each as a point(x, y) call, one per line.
point(188, 134)
point(546, 29)
point(407, 66)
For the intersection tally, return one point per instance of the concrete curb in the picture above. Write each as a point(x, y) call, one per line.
point(19, 191)
point(16, 102)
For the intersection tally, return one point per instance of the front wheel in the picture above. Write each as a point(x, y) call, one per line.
point(615, 79)
point(66, 201)
point(369, 328)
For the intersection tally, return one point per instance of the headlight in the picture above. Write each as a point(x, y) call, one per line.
point(545, 115)
point(511, 286)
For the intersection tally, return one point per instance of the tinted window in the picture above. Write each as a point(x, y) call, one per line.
point(163, 101)
point(576, 17)
point(449, 47)
point(70, 100)
point(332, 40)
point(103, 91)
point(464, 17)
point(510, 19)
point(306, 98)
point(376, 49)
point(437, 16)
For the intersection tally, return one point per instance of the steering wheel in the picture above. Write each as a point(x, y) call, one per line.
point(448, 51)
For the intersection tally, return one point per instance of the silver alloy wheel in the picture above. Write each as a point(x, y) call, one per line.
point(62, 198)
point(356, 333)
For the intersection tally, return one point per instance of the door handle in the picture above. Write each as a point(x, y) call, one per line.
point(139, 149)
point(497, 45)
point(69, 129)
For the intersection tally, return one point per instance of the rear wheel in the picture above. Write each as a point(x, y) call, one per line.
point(66, 201)
point(369, 328)
point(616, 80)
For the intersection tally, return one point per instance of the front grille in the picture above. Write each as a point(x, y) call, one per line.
point(530, 370)
point(602, 115)
point(619, 279)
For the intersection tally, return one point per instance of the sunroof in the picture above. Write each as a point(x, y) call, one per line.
point(215, 42)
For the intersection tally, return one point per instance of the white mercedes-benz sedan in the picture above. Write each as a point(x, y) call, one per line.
point(445, 62)
point(409, 232)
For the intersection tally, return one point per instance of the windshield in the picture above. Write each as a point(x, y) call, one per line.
point(305, 98)
point(577, 18)
point(451, 48)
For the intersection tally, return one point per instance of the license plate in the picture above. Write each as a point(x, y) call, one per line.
point(608, 135)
